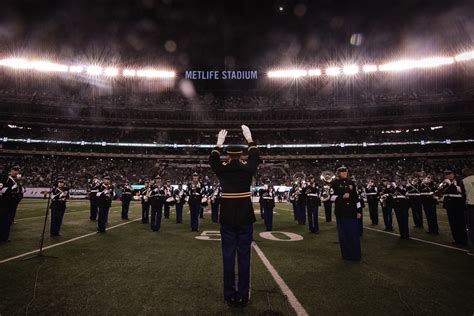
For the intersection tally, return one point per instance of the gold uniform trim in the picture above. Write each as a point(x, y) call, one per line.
point(252, 147)
point(215, 151)
point(236, 195)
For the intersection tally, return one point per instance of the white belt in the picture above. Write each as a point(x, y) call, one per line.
point(453, 195)
point(426, 193)
point(400, 197)
point(312, 194)
point(268, 198)
point(95, 191)
point(413, 194)
point(371, 194)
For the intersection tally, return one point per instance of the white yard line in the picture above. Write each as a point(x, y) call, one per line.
point(63, 242)
point(295, 304)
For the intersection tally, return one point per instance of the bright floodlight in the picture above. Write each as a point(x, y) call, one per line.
point(76, 69)
point(398, 65)
point(465, 56)
point(350, 69)
point(111, 72)
point(333, 71)
point(129, 72)
point(152, 73)
point(16, 63)
point(291, 73)
point(94, 70)
point(49, 67)
point(314, 72)
point(369, 68)
point(434, 62)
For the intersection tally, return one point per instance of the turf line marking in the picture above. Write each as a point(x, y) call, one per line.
point(299, 309)
point(418, 239)
point(63, 242)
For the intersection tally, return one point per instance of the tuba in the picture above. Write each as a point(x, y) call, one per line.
point(326, 177)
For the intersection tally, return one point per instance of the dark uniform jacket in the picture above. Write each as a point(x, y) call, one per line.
point(145, 194)
point(268, 197)
point(347, 208)
point(158, 195)
point(180, 196)
point(59, 197)
point(427, 190)
point(236, 177)
point(127, 194)
point(454, 195)
point(10, 192)
point(313, 195)
point(196, 191)
point(93, 188)
point(105, 195)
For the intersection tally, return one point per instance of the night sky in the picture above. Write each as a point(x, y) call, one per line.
point(233, 34)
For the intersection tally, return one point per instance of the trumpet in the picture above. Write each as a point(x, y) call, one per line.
point(327, 176)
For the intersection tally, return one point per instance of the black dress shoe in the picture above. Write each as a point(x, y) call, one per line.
point(55, 235)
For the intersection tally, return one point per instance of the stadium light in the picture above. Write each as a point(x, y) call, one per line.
point(333, 71)
point(47, 66)
point(291, 73)
point(111, 72)
point(153, 73)
point(76, 69)
point(129, 72)
point(314, 72)
point(465, 56)
point(94, 70)
point(350, 69)
point(16, 63)
point(369, 68)
point(434, 62)
point(399, 65)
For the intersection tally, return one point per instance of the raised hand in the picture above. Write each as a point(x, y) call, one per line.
point(247, 134)
point(221, 137)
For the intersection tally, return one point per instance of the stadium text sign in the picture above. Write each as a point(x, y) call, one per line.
point(221, 75)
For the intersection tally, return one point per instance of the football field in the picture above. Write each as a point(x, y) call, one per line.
point(131, 270)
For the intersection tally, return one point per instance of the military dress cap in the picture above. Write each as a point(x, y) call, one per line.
point(268, 181)
point(60, 179)
point(385, 179)
point(195, 174)
point(310, 176)
point(15, 167)
point(157, 177)
point(168, 181)
point(234, 150)
point(106, 177)
point(342, 169)
point(448, 171)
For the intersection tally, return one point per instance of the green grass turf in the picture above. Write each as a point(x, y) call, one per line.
point(131, 270)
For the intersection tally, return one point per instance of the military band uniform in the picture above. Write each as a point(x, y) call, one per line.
point(8, 191)
point(215, 202)
point(414, 198)
point(236, 217)
point(59, 196)
point(104, 202)
point(313, 200)
point(346, 210)
point(429, 202)
point(93, 200)
point(145, 201)
point(386, 202)
point(371, 192)
point(180, 198)
point(454, 201)
point(157, 201)
point(267, 194)
point(126, 199)
point(196, 192)
point(400, 207)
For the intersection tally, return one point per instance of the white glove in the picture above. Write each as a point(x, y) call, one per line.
point(247, 134)
point(221, 138)
point(14, 186)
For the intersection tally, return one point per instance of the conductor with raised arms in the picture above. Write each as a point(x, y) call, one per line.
point(236, 214)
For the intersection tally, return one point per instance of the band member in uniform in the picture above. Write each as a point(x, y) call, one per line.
point(168, 204)
point(413, 193)
point(372, 192)
point(386, 202)
point(59, 196)
point(260, 203)
point(8, 196)
point(327, 178)
point(313, 201)
point(145, 200)
point(180, 197)
point(158, 196)
point(292, 199)
point(361, 205)
point(215, 202)
point(126, 198)
point(427, 190)
point(196, 193)
point(18, 194)
point(236, 214)
point(267, 194)
point(453, 194)
point(105, 195)
point(300, 201)
point(468, 183)
point(400, 207)
point(347, 209)
point(93, 189)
